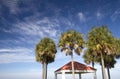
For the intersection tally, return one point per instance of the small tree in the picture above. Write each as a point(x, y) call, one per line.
point(90, 57)
point(109, 63)
point(102, 43)
point(69, 42)
point(45, 53)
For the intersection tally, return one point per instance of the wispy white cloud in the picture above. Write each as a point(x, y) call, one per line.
point(15, 50)
point(68, 22)
point(99, 15)
point(34, 28)
point(11, 55)
point(116, 15)
point(42, 27)
point(82, 17)
point(15, 8)
point(12, 5)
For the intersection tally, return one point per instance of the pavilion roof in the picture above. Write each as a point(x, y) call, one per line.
point(77, 66)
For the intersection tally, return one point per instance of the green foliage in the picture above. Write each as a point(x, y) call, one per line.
point(109, 61)
point(89, 56)
point(100, 45)
point(45, 51)
point(118, 48)
point(100, 40)
point(71, 40)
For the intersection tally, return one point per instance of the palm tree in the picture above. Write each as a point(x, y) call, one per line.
point(102, 43)
point(109, 60)
point(45, 53)
point(89, 57)
point(69, 42)
point(109, 63)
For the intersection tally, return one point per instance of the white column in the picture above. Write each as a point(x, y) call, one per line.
point(55, 75)
point(79, 75)
point(95, 75)
point(63, 74)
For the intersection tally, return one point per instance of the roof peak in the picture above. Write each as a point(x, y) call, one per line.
point(77, 66)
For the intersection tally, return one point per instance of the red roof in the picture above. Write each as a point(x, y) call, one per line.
point(77, 66)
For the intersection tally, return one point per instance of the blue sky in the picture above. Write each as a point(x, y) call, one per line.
point(24, 22)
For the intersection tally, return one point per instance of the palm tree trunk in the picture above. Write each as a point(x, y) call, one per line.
point(46, 70)
point(93, 64)
point(43, 71)
point(108, 73)
point(103, 68)
point(73, 71)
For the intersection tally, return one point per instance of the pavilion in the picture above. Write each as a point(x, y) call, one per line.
point(78, 67)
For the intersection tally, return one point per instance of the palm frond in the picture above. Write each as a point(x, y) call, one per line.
point(45, 50)
point(71, 40)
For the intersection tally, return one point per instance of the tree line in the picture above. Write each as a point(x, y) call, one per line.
point(101, 47)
